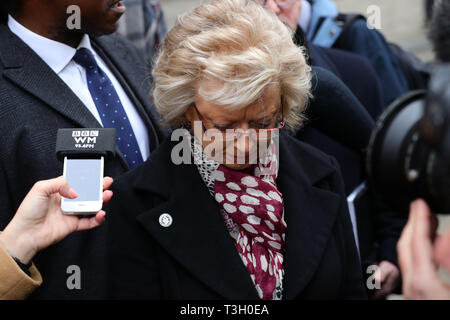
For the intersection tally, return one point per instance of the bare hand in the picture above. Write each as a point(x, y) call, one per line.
point(419, 258)
point(39, 221)
point(388, 276)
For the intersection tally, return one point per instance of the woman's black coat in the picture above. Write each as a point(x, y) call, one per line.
point(195, 257)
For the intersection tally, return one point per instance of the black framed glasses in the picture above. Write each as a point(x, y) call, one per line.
point(230, 134)
point(280, 3)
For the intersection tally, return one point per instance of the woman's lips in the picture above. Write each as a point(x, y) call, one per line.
point(118, 7)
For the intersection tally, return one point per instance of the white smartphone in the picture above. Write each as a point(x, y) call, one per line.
point(85, 176)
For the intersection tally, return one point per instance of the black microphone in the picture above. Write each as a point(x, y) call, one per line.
point(335, 111)
point(86, 143)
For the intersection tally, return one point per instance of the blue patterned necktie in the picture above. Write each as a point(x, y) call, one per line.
point(109, 107)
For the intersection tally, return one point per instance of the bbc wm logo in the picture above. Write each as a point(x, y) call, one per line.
point(85, 138)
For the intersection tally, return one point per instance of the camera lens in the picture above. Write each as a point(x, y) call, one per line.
point(401, 163)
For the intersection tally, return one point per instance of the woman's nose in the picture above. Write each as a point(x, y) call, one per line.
point(244, 143)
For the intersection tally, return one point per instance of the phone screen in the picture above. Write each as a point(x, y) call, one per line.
point(85, 177)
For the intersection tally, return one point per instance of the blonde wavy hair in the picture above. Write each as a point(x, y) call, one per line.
point(241, 44)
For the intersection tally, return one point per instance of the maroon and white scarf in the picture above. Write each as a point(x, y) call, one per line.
point(253, 203)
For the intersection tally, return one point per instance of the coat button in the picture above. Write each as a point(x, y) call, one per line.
point(165, 220)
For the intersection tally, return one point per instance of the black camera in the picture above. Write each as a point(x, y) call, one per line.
point(409, 151)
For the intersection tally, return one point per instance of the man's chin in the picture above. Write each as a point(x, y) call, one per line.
point(97, 30)
point(103, 31)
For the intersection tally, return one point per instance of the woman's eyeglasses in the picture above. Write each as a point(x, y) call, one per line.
point(260, 130)
point(280, 3)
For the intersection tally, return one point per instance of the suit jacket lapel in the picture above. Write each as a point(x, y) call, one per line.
point(27, 70)
point(198, 238)
point(309, 213)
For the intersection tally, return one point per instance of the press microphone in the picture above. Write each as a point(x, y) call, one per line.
point(86, 143)
point(335, 111)
point(84, 152)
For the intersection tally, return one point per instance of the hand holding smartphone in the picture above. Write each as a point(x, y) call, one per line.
point(85, 176)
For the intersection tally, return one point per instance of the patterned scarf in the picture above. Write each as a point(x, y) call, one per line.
point(251, 199)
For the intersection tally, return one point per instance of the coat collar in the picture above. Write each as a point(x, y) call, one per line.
point(56, 54)
point(199, 229)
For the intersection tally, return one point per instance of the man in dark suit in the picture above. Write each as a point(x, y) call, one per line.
point(47, 77)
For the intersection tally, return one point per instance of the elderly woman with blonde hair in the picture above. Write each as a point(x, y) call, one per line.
point(231, 206)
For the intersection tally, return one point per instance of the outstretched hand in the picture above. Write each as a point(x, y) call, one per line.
point(39, 221)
